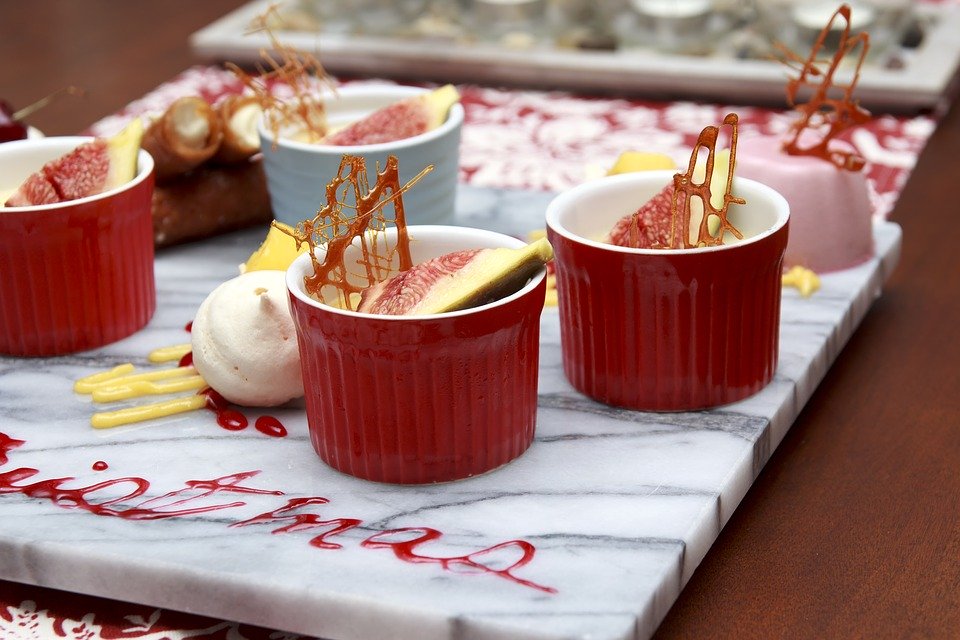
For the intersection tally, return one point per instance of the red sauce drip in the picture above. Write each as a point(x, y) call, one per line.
point(270, 426)
point(169, 505)
point(100, 465)
point(233, 420)
point(229, 419)
point(189, 327)
point(186, 360)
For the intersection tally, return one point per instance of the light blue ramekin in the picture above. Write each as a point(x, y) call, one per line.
point(298, 172)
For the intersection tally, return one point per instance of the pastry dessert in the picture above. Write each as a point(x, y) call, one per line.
point(830, 211)
point(210, 178)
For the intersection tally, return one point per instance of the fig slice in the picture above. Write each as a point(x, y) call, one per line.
point(91, 168)
point(400, 120)
point(649, 227)
point(456, 281)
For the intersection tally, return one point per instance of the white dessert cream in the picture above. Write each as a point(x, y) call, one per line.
point(192, 127)
point(244, 341)
point(244, 121)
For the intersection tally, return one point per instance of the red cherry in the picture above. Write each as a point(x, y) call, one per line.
point(10, 128)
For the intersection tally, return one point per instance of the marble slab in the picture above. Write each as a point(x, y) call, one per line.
point(590, 534)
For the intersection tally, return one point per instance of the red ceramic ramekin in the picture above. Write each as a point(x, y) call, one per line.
point(419, 399)
point(74, 275)
point(666, 330)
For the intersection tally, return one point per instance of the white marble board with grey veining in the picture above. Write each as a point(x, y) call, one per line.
point(592, 533)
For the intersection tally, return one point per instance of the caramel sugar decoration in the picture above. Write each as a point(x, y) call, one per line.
point(822, 114)
point(298, 70)
point(686, 188)
point(337, 231)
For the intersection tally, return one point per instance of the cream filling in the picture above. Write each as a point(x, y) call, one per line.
point(244, 122)
point(191, 128)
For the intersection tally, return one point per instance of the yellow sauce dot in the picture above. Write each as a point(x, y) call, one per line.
point(805, 280)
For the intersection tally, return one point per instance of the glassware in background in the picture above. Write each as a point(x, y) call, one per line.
point(798, 24)
point(387, 17)
point(584, 24)
point(731, 29)
point(515, 24)
point(672, 26)
point(328, 16)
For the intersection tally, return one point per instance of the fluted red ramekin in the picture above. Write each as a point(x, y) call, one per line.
point(667, 330)
point(74, 275)
point(420, 399)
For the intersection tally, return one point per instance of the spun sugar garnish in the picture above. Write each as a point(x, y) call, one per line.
point(822, 114)
point(686, 188)
point(298, 70)
point(338, 280)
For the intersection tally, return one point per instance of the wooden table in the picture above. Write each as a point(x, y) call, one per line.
point(852, 528)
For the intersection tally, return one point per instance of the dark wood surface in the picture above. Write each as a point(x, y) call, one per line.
point(852, 529)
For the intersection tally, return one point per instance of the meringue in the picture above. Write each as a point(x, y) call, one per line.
point(245, 343)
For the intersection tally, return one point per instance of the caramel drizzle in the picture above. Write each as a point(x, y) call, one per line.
point(822, 111)
point(330, 227)
point(687, 189)
point(294, 68)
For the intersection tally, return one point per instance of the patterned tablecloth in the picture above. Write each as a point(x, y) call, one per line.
point(513, 139)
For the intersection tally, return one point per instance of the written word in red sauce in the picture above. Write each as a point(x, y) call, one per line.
point(499, 560)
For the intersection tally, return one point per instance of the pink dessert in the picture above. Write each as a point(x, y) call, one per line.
point(830, 211)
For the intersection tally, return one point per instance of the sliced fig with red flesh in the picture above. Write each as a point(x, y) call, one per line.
point(36, 189)
point(400, 120)
point(651, 223)
point(455, 281)
point(89, 169)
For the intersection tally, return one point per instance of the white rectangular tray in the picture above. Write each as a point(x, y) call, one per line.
point(923, 81)
point(592, 533)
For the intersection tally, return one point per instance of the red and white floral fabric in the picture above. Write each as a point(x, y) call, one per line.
point(513, 139)
point(554, 140)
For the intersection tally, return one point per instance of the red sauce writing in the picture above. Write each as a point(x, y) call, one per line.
point(169, 505)
point(405, 542)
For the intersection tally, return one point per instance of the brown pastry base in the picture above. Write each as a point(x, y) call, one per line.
point(210, 200)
